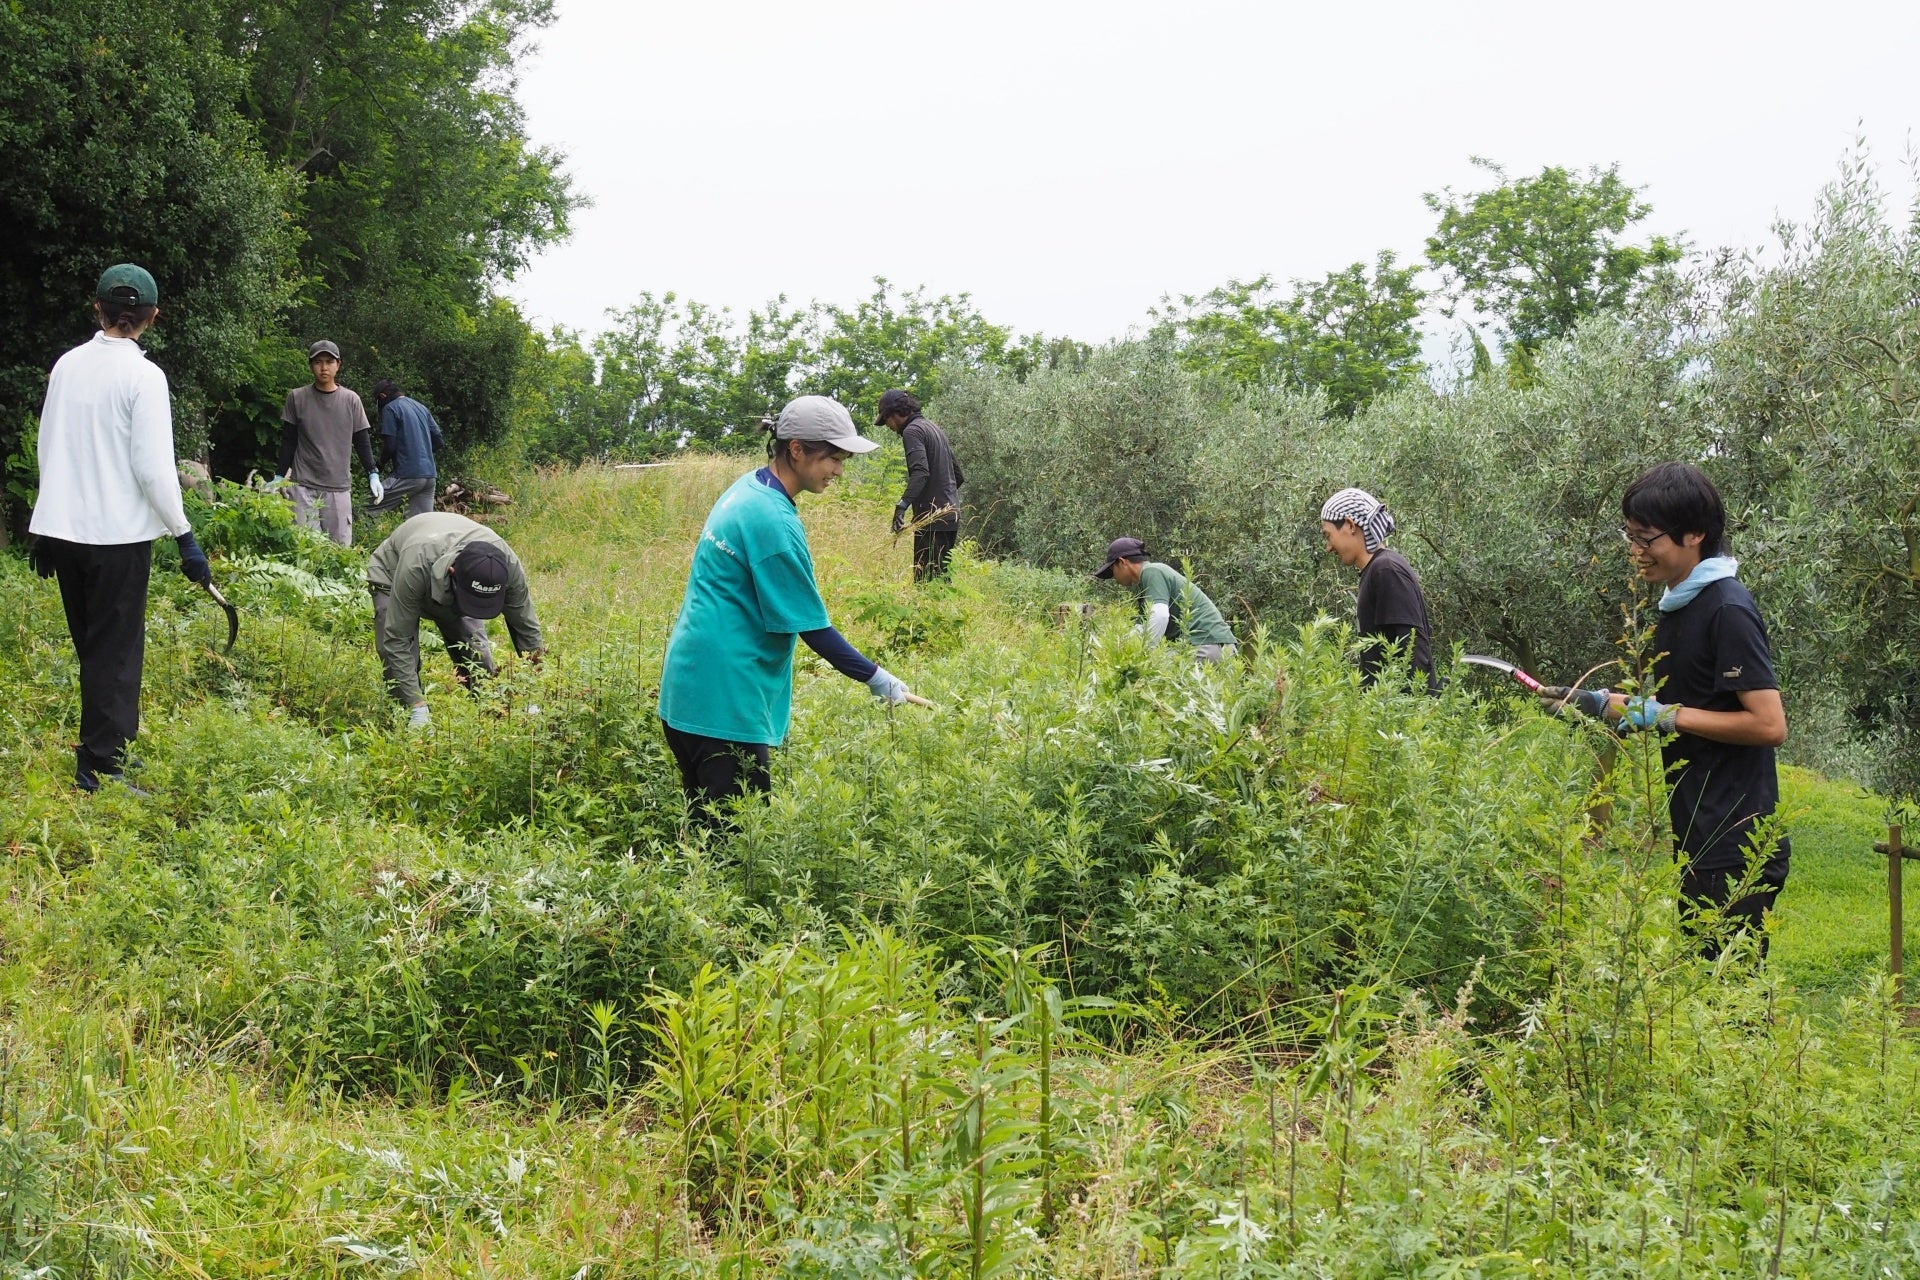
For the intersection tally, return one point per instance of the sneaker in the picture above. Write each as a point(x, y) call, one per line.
point(90, 781)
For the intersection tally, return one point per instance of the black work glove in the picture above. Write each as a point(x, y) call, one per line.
point(900, 517)
point(40, 556)
point(193, 561)
point(1590, 702)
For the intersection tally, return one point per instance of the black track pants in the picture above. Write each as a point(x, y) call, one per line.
point(1702, 890)
point(932, 548)
point(104, 592)
point(714, 771)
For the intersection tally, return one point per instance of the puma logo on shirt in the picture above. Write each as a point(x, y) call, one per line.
point(1731, 675)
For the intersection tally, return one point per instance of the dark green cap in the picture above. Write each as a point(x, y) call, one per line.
point(126, 283)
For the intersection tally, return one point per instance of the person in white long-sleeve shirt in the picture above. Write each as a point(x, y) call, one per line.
point(108, 488)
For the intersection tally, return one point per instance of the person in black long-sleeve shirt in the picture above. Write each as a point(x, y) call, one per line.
point(1391, 613)
point(932, 499)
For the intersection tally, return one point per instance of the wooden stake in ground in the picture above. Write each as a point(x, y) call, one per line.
point(1896, 923)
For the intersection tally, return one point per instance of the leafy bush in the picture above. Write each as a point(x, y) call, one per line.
point(1784, 383)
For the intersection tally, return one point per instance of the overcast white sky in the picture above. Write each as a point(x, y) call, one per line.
point(1068, 163)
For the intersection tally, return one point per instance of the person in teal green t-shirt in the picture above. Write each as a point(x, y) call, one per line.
point(1171, 607)
point(726, 691)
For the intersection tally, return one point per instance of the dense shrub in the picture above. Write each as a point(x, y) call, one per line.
point(1788, 384)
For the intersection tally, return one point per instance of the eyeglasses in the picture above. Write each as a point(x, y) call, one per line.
point(1645, 543)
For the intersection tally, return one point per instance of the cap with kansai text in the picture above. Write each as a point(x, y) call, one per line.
point(480, 580)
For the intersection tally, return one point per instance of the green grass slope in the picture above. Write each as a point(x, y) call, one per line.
point(1109, 967)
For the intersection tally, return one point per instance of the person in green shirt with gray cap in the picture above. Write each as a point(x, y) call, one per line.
point(1171, 606)
point(726, 688)
point(459, 573)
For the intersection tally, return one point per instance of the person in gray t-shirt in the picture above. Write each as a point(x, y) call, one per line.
point(321, 425)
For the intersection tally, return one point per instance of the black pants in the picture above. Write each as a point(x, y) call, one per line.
point(932, 548)
point(104, 591)
point(713, 771)
point(1700, 890)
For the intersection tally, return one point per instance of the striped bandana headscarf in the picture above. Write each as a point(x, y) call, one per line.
point(1365, 510)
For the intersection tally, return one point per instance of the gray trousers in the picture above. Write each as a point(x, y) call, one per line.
point(466, 644)
point(417, 490)
point(1214, 652)
point(328, 510)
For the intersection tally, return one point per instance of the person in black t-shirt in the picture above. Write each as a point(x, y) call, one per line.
point(1716, 699)
point(1392, 610)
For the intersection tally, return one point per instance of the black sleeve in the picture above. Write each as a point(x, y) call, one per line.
point(363, 445)
point(917, 469)
point(1741, 658)
point(839, 654)
point(289, 442)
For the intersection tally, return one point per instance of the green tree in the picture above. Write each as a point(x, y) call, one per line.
point(1353, 334)
point(903, 340)
point(123, 143)
point(1542, 253)
point(417, 187)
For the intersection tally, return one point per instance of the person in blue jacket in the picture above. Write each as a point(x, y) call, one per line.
point(409, 437)
point(726, 689)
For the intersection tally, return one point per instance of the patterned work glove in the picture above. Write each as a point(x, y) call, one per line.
point(1642, 714)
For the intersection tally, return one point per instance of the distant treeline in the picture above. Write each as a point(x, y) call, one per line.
point(360, 171)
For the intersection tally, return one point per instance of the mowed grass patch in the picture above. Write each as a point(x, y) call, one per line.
point(1832, 930)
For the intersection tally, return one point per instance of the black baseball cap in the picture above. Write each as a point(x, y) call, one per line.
point(480, 580)
point(1121, 549)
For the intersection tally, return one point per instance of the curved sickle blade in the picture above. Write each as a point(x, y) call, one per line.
point(233, 615)
point(1482, 660)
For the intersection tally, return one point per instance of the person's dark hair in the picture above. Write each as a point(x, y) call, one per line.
point(1677, 499)
point(898, 401)
point(386, 389)
point(125, 317)
point(812, 448)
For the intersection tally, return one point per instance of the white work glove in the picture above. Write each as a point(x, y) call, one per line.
point(887, 686)
point(379, 490)
point(419, 717)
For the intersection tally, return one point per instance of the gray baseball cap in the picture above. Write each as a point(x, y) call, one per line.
point(821, 418)
point(322, 348)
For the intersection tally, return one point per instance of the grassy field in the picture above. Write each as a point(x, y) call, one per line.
point(1108, 968)
point(1832, 930)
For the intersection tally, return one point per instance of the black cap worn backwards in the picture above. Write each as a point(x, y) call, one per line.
point(480, 580)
